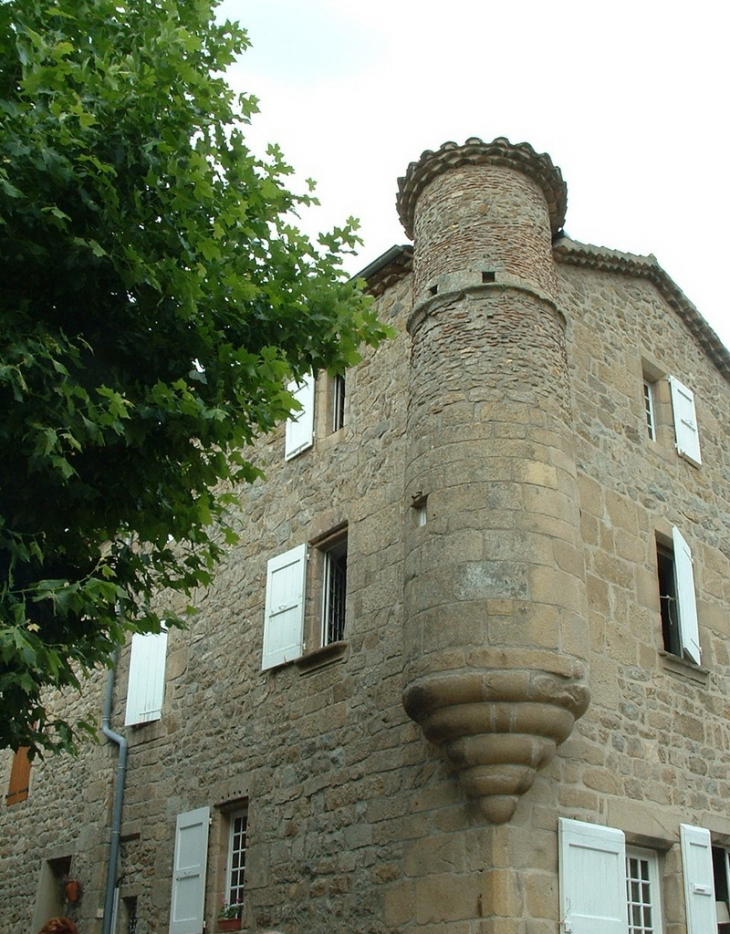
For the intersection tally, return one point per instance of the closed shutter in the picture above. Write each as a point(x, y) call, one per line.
point(284, 615)
point(19, 777)
point(592, 879)
point(146, 688)
point(699, 887)
point(689, 632)
point(685, 421)
point(188, 873)
point(300, 427)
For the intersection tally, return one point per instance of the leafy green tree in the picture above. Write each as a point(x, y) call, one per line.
point(155, 296)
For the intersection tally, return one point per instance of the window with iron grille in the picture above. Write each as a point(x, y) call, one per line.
point(334, 593)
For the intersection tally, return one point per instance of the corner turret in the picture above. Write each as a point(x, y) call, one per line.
point(495, 621)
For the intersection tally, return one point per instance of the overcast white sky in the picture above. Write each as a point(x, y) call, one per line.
point(630, 99)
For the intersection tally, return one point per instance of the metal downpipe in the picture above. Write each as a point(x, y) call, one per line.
point(111, 874)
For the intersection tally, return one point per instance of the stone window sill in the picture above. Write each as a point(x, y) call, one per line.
point(325, 655)
point(680, 666)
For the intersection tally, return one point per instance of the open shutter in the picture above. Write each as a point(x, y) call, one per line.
point(300, 427)
point(592, 879)
point(685, 421)
point(146, 688)
point(188, 872)
point(284, 615)
point(699, 887)
point(689, 632)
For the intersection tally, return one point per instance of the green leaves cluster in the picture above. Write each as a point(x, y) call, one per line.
point(154, 298)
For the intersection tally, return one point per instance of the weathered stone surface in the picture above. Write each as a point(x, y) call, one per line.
point(533, 577)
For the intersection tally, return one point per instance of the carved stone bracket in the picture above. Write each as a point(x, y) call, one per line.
point(498, 727)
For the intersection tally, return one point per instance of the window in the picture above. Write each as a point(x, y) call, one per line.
point(146, 686)
point(680, 627)
point(419, 505)
point(236, 866)
point(129, 914)
point(337, 391)
point(605, 886)
point(649, 409)
point(334, 592)
point(299, 432)
point(19, 783)
point(721, 877)
point(642, 891)
point(685, 421)
point(50, 899)
point(287, 633)
point(188, 872)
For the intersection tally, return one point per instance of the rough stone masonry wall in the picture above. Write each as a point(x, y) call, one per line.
point(356, 823)
point(652, 750)
point(483, 211)
point(337, 776)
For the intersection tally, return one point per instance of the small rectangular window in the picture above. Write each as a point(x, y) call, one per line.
point(338, 401)
point(236, 871)
point(642, 891)
point(680, 627)
point(50, 896)
point(129, 916)
point(334, 592)
point(668, 600)
point(649, 409)
point(721, 874)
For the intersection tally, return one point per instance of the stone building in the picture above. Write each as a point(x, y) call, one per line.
point(467, 671)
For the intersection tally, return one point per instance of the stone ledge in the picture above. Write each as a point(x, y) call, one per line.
point(318, 658)
point(680, 666)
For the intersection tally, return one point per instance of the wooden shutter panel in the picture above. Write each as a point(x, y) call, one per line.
point(689, 632)
point(699, 887)
point(300, 427)
point(19, 783)
point(146, 688)
point(284, 615)
point(592, 878)
point(187, 905)
point(685, 421)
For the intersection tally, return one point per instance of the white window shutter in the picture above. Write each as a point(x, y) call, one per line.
point(146, 687)
point(592, 879)
point(685, 421)
point(284, 614)
point(689, 632)
point(300, 427)
point(699, 886)
point(187, 905)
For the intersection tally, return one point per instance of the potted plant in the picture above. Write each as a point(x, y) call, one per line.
point(229, 917)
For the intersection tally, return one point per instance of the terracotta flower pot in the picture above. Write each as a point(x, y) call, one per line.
point(72, 890)
point(229, 924)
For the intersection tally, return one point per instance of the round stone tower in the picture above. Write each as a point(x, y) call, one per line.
point(495, 606)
